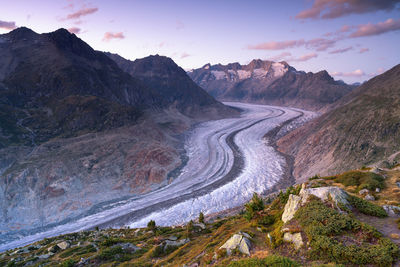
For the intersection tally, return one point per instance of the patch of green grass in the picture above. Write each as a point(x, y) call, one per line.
point(271, 261)
point(362, 180)
point(341, 238)
point(367, 207)
point(68, 263)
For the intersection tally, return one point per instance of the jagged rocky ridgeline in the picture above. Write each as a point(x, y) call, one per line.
point(267, 82)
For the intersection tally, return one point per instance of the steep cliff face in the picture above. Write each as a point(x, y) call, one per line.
point(363, 129)
point(77, 131)
point(269, 82)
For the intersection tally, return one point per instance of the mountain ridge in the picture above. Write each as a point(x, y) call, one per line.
point(268, 82)
point(360, 129)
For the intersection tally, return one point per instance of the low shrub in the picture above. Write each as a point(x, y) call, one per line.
point(110, 253)
point(362, 180)
point(326, 228)
point(284, 196)
point(266, 220)
point(69, 263)
point(255, 205)
point(367, 207)
point(270, 261)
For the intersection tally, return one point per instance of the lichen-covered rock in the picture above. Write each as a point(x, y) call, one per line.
point(63, 245)
point(369, 197)
point(334, 193)
point(363, 191)
point(391, 210)
point(292, 205)
point(176, 243)
point(238, 241)
point(295, 238)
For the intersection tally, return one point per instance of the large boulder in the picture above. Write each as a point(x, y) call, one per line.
point(240, 241)
point(294, 238)
point(334, 193)
point(292, 205)
point(391, 210)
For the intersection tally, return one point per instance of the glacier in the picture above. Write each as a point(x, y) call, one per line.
point(228, 160)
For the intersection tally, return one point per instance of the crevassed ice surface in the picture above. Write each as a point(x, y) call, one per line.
point(210, 160)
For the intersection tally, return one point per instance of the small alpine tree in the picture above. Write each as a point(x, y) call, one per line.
point(201, 217)
point(151, 225)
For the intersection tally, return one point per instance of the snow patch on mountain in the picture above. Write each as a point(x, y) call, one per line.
point(279, 69)
point(243, 74)
point(259, 73)
point(219, 75)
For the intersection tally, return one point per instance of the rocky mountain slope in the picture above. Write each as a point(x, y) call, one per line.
point(268, 82)
point(77, 131)
point(172, 83)
point(326, 221)
point(363, 129)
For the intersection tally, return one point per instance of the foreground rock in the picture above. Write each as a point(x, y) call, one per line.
point(336, 194)
point(240, 241)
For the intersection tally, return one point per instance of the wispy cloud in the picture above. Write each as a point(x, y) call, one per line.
point(81, 13)
point(363, 50)
point(7, 25)
point(108, 36)
point(74, 30)
point(319, 44)
point(280, 57)
point(376, 29)
point(305, 57)
point(286, 56)
point(277, 45)
point(330, 9)
point(355, 73)
point(342, 50)
point(185, 55)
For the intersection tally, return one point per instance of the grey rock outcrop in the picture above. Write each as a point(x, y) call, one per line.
point(296, 239)
point(391, 210)
point(240, 241)
point(292, 205)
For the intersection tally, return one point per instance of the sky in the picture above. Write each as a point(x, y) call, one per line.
point(353, 40)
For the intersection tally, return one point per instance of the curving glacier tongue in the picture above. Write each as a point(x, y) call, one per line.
point(263, 167)
point(228, 160)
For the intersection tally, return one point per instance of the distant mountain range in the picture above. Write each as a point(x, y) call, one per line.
point(267, 82)
point(362, 129)
point(77, 130)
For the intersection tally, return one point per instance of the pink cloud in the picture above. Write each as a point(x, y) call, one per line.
point(363, 50)
point(185, 55)
point(329, 9)
point(286, 56)
point(280, 57)
point(277, 45)
point(319, 44)
point(376, 29)
point(113, 35)
point(304, 57)
point(74, 30)
point(355, 73)
point(339, 51)
point(82, 12)
point(7, 25)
